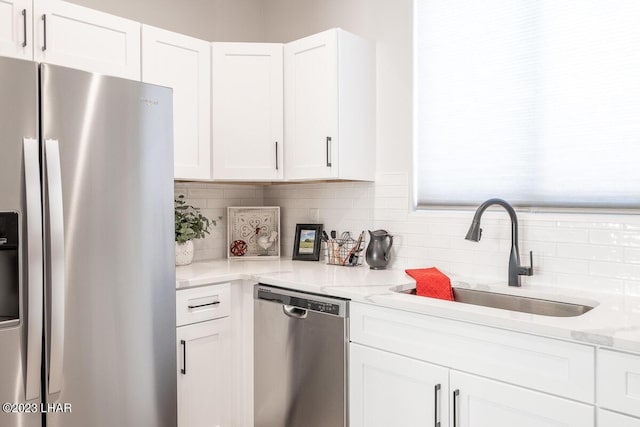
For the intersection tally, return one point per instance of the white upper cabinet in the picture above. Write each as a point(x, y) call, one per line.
point(16, 29)
point(77, 37)
point(183, 63)
point(247, 111)
point(329, 81)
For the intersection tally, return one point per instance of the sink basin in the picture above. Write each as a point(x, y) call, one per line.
point(522, 304)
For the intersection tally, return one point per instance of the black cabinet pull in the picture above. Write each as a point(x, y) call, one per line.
point(44, 28)
point(183, 371)
point(24, 28)
point(276, 155)
point(456, 394)
point(328, 151)
point(191, 307)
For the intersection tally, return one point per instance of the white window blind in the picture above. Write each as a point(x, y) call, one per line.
point(536, 102)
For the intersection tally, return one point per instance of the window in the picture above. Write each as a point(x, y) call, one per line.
point(533, 101)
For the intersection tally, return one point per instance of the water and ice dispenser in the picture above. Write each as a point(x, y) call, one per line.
point(9, 267)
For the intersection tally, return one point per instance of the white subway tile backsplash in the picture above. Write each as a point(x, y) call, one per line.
point(632, 255)
point(205, 193)
point(389, 214)
point(213, 200)
point(571, 250)
point(618, 238)
point(590, 252)
point(615, 270)
point(557, 235)
point(391, 203)
point(242, 193)
point(562, 265)
point(390, 191)
point(398, 179)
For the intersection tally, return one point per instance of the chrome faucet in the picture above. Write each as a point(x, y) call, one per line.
point(475, 233)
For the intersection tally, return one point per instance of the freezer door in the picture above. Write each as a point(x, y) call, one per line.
point(20, 251)
point(109, 270)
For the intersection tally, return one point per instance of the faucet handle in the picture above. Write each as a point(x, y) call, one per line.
point(527, 271)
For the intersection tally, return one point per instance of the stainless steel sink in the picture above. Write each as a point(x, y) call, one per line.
point(516, 303)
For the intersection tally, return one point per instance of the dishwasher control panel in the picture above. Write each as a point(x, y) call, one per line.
point(309, 304)
point(321, 304)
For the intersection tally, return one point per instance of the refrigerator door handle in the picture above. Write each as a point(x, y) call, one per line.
point(56, 255)
point(33, 197)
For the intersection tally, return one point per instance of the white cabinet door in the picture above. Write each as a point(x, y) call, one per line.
point(613, 419)
point(311, 106)
point(247, 111)
point(77, 37)
point(479, 402)
point(204, 362)
point(619, 381)
point(183, 63)
point(391, 390)
point(15, 29)
point(329, 81)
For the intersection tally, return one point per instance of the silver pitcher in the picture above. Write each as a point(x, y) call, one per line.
point(379, 249)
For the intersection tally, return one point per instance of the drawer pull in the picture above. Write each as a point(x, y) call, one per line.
point(191, 307)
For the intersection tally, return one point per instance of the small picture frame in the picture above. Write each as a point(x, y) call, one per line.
point(306, 246)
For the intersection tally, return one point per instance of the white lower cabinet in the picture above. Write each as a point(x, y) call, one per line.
point(204, 380)
point(391, 390)
point(203, 342)
point(408, 369)
point(480, 402)
point(619, 381)
point(613, 419)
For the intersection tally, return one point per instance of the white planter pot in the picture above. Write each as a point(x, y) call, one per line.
point(184, 253)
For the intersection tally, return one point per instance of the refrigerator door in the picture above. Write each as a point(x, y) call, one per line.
point(109, 270)
point(20, 245)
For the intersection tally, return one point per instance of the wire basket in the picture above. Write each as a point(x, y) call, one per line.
point(345, 251)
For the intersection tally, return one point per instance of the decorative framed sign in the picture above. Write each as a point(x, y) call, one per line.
point(253, 232)
point(306, 246)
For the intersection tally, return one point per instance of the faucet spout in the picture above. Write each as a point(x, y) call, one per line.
point(475, 233)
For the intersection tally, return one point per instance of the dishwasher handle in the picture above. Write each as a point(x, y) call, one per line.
point(294, 312)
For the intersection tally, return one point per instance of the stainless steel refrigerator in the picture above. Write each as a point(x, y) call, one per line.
point(87, 280)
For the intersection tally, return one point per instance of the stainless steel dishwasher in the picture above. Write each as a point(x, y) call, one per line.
point(300, 364)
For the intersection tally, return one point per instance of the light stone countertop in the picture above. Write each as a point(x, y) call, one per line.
point(615, 322)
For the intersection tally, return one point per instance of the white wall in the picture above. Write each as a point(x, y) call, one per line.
point(212, 20)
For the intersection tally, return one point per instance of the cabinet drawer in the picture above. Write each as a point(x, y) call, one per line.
point(549, 365)
point(619, 381)
point(200, 304)
point(611, 419)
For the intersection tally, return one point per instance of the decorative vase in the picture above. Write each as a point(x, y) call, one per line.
point(184, 253)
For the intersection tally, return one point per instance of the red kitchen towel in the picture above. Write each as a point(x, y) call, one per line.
point(431, 282)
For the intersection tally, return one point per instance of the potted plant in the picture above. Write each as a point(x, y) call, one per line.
point(190, 224)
